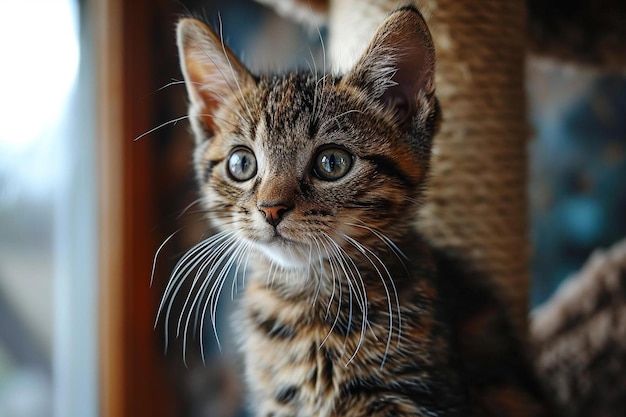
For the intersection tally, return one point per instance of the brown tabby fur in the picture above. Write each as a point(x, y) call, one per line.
point(347, 310)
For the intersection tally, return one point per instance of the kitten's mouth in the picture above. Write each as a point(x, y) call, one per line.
point(280, 239)
point(280, 242)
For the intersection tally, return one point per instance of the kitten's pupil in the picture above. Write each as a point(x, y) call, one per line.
point(332, 164)
point(242, 164)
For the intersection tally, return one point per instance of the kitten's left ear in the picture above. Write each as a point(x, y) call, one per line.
point(398, 66)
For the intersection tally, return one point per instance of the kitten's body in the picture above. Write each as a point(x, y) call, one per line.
point(454, 355)
point(316, 183)
point(307, 352)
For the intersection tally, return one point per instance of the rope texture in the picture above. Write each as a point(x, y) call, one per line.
point(477, 200)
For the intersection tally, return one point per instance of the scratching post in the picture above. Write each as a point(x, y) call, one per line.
point(477, 203)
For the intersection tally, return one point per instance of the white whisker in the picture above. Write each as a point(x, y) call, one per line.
point(154, 129)
point(190, 205)
point(213, 300)
point(184, 265)
point(171, 83)
point(321, 266)
point(181, 271)
point(360, 291)
point(336, 278)
point(156, 255)
point(390, 243)
point(212, 260)
point(364, 251)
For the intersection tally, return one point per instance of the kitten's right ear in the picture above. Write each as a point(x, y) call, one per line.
point(397, 68)
point(212, 72)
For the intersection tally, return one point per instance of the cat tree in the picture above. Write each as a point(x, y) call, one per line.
point(477, 204)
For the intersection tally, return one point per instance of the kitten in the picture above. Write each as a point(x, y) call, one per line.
point(316, 182)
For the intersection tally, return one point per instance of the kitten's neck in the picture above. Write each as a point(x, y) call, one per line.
point(383, 269)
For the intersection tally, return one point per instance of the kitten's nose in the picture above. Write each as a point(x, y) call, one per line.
point(273, 212)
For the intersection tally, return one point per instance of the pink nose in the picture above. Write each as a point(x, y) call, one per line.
point(273, 213)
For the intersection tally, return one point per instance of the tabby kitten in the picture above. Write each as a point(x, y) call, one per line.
point(315, 182)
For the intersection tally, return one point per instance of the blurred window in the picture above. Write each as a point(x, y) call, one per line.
point(47, 213)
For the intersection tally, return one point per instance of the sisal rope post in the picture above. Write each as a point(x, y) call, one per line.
point(477, 200)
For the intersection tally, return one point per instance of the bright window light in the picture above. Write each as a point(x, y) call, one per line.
point(39, 50)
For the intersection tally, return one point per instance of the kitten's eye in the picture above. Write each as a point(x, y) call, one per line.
point(332, 163)
point(242, 164)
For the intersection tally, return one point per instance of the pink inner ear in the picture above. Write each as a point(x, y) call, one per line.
point(205, 102)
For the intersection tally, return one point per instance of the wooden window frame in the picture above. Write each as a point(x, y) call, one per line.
point(133, 376)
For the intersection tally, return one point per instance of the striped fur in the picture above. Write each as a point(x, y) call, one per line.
point(347, 311)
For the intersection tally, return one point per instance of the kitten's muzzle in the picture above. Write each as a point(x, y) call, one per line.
point(274, 213)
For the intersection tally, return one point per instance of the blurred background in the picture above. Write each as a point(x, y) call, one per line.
point(76, 330)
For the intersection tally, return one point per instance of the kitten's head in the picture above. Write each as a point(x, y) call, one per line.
point(300, 166)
